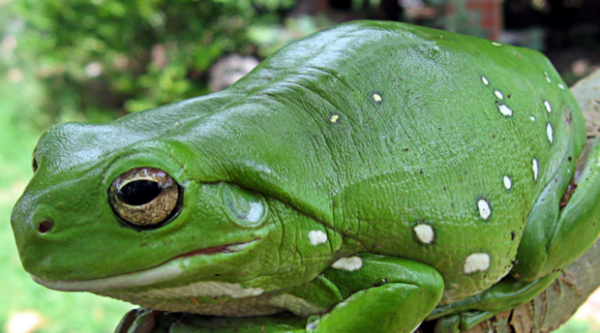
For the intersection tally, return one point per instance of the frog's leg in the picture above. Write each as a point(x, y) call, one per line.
point(554, 237)
point(503, 296)
point(147, 321)
point(381, 294)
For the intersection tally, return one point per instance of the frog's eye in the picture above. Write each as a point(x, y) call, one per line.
point(145, 197)
point(34, 163)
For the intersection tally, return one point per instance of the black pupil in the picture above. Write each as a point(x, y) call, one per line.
point(139, 192)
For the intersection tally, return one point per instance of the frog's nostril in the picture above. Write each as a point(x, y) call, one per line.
point(45, 226)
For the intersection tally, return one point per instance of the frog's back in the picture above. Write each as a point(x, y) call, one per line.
point(432, 146)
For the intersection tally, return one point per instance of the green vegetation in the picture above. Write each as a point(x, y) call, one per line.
point(125, 56)
point(577, 325)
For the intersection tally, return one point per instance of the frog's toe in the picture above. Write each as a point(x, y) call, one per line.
point(448, 324)
point(469, 320)
point(462, 321)
point(126, 322)
point(139, 321)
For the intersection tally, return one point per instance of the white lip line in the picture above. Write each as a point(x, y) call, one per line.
point(160, 273)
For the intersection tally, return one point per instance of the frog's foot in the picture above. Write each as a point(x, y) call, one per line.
point(146, 321)
point(381, 294)
point(503, 296)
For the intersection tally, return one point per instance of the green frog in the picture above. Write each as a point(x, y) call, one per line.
point(369, 177)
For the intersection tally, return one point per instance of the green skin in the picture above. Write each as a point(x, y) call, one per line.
point(369, 177)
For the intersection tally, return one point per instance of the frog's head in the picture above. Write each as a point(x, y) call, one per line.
point(117, 213)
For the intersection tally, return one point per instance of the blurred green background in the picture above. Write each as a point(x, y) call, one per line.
point(95, 60)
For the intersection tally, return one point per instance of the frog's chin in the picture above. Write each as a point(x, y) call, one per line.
point(164, 272)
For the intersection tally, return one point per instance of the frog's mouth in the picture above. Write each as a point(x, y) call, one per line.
point(160, 273)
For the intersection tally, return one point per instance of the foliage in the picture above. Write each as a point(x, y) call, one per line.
point(270, 37)
point(132, 55)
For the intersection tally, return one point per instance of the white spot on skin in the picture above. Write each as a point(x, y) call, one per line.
point(561, 86)
point(484, 209)
point(498, 94)
point(348, 264)
point(424, 233)
point(550, 132)
point(496, 44)
point(536, 168)
point(532, 118)
point(334, 118)
point(477, 262)
point(548, 106)
point(547, 77)
point(485, 80)
point(505, 110)
point(507, 182)
point(377, 98)
point(317, 237)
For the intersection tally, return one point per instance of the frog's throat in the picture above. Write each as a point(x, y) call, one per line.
point(160, 273)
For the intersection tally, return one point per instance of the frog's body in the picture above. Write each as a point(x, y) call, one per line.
point(444, 156)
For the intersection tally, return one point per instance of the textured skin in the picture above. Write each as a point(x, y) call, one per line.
point(360, 133)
